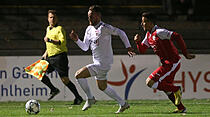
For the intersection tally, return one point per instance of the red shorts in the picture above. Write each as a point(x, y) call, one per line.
point(166, 72)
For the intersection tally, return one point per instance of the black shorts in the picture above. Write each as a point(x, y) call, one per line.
point(59, 63)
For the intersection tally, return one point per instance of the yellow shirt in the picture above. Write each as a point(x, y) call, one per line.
point(56, 33)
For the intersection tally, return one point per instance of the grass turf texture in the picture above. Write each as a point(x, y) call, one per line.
point(139, 108)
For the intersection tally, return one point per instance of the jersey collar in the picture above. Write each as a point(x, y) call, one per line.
point(154, 28)
point(98, 25)
point(51, 27)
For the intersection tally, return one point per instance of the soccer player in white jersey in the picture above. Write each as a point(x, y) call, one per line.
point(98, 37)
point(160, 40)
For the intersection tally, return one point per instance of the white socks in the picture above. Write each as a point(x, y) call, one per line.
point(84, 85)
point(108, 91)
point(112, 93)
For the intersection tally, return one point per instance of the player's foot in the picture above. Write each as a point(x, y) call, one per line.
point(123, 108)
point(88, 103)
point(77, 101)
point(53, 93)
point(178, 96)
point(180, 111)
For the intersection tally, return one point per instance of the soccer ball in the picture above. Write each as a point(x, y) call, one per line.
point(32, 106)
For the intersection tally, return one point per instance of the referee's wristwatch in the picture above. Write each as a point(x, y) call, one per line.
point(50, 40)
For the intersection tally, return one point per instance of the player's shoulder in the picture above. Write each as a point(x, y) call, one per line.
point(105, 25)
point(108, 27)
point(89, 28)
point(59, 27)
point(48, 26)
point(162, 31)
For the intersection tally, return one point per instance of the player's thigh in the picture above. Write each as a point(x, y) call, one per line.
point(101, 79)
point(60, 63)
point(82, 73)
point(166, 72)
point(171, 76)
point(160, 73)
point(156, 75)
point(92, 70)
point(50, 69)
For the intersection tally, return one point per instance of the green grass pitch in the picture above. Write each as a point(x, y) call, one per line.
point(139, 108)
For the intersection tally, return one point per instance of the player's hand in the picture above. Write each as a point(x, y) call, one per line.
point(73, 35)
point(45, 39)
point(137, 38)
point(189, 56)
point(131, 52)
point(43, 58)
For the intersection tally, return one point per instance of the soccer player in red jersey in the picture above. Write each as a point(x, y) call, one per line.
point(160, 40)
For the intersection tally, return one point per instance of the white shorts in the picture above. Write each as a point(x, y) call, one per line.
point(98, 73)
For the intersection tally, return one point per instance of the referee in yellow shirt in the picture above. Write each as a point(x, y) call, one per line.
point(56, 55)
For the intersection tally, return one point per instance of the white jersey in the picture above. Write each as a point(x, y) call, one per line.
point(98, 38)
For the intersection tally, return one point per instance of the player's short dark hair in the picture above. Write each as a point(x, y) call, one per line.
point(150, 16)
point(96, 8)
point(52, 11)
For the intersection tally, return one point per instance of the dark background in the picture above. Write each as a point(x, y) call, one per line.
point(23, 22)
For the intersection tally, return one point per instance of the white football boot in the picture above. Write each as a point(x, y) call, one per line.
point(88, 103)
point(123, 108)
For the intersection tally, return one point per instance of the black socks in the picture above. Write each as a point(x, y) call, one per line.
point(47, 82)
point(73, 89)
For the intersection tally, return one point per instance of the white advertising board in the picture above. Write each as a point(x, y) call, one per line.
point(127, 77)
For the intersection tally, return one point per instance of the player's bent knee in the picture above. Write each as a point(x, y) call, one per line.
point(102, 88)
point(102, 85)
point(77, 75)
point(149, 82)
point(82, 73)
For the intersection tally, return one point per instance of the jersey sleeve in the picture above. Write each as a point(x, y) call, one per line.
point(84, 45)
point(179, 40)
point(118, 32)
point(164, 34)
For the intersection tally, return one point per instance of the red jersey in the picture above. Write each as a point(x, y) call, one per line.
point(160, 40)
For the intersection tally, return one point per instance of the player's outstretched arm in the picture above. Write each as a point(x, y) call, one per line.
point(179, 39)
